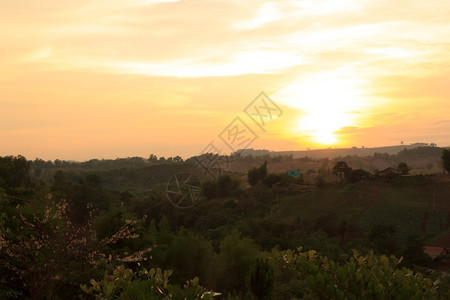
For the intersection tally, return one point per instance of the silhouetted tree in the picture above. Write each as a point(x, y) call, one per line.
point(403, 168)
point(177, 159)
point(255, 175)
point(413, 253)
point(60, 185)
point(261, 279)
point(342, 170)
point(358, 175)
point(446, 159)
point(382, 236)
point(235, 259)
point(224, 185)
point(93, 180)
point(262, 170)
point(14, 171)
point(271, 179)
point(153, 158)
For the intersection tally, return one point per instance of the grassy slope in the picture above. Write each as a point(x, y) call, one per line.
point(405, 203)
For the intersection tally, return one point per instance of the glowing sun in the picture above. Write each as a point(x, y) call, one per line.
point(328, 102)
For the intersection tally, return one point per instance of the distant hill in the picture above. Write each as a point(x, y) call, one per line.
point(421, 158)
point(342, 152)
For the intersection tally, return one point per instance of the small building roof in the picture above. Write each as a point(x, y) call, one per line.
point(434, 252)
point(388, 172)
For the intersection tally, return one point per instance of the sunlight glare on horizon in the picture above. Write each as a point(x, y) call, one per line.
point(329, 101)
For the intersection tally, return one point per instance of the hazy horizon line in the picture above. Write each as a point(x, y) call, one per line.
point(418, 144)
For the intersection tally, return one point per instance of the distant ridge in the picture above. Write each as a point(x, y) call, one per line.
point(338, 152)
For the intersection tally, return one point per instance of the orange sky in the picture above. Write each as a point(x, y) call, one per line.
point(84, 79)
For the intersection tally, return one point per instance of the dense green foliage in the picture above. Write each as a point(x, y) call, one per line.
point(124, 283)
point(360, 277)
point(14, 171)
point(78, 231)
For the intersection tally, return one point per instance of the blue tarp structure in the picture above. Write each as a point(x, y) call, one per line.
point(293, 173)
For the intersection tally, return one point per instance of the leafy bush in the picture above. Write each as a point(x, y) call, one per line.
point(123, 283)
point(225, 186)
point(44, 251)
point(271, 179)
point(361, 277)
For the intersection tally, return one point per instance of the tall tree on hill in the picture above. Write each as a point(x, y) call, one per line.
point(153, 158)
point(403, 168)
point(446, 159)
point(255, 175)
point(342, 170)
point(262, 170)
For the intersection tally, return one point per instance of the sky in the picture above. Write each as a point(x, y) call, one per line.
point(82, 79)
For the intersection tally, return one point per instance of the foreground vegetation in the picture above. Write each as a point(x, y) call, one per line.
point(76, 236)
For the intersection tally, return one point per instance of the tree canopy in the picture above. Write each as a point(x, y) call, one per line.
point(446, 159)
